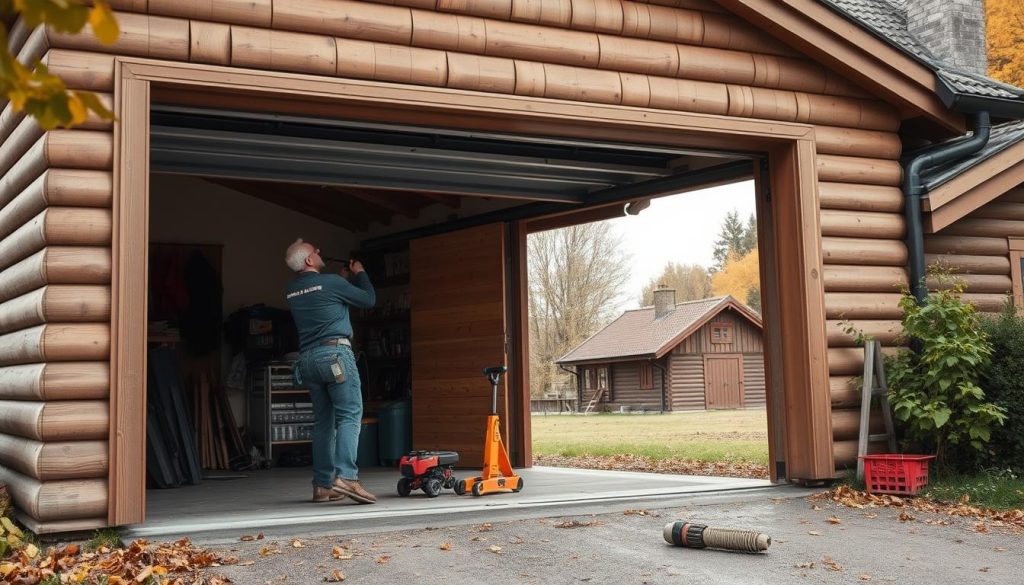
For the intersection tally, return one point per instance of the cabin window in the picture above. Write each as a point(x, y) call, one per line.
point(602, 377)
point(1017, 270)
point(588, 378)
point(646, 376)
point(721, 333)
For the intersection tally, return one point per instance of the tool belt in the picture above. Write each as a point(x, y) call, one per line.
point(338, 341)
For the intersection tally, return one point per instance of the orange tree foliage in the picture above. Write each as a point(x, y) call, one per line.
point(1005, 40)
point(739, 277)
point(30, 87)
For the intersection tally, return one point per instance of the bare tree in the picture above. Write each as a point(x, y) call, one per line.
point(690, 281)
point(577, 277)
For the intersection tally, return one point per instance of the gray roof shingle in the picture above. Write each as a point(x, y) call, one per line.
point(1003, 136)
point(887, 19)
point(638, 333)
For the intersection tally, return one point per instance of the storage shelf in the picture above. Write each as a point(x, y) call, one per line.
point(300, 442)
point(291, 391)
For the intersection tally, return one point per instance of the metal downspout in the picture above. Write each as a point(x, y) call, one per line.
point(914, 189)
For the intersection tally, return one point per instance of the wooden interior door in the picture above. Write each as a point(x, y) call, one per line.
point(723, 381)
point(457, 290)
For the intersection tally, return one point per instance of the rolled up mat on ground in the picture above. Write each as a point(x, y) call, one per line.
point(690, 535)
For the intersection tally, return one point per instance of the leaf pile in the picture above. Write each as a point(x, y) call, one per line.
point(851, 498)
point(649, 464)
point(177, 563)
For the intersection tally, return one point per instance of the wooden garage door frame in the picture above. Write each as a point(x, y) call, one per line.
point(738, 357)
point(795, 293)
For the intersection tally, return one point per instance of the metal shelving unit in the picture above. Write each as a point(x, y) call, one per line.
point(278, 413)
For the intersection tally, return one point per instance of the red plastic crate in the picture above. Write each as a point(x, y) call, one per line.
point(902, 475)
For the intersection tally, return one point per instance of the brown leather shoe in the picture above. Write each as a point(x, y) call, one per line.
point(353, 489)
point(322, 494)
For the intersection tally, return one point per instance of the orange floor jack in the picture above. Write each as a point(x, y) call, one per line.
point(497, 476)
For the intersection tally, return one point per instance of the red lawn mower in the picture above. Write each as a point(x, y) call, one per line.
point(430, 471)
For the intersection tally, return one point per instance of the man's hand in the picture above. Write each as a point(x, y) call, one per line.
point(356, 266)
point(345, 272)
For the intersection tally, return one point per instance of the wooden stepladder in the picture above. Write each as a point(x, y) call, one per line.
point(874, 385)
point(594, 400)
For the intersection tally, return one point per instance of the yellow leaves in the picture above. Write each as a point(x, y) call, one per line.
point(103, 23)
point(494, 549)
point(834, 520)
point(32, 88)
point(340, 554)
point(336, 576)
point(31, 551)
point(446, 546)
point(10, 527)
point(738, 276)
point(1005, 39)
point(297, 544)
point(383, 559)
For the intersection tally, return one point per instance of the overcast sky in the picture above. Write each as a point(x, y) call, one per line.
point(680, 228)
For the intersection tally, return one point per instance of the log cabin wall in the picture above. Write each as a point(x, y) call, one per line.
point(686, 364)
point(626, 390)
point(977, 249)
point(685, 55)
point(55, 266)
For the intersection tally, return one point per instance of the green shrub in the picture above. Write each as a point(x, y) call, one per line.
point(1003, 382)
point(934, 391)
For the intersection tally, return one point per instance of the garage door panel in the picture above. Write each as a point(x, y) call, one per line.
point(457, 288)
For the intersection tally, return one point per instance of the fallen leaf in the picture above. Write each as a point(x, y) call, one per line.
point(807, 565)
point(247, 538)
point(830, 564)
point(864, 577)
point(870, 515)
point(246, 563)
point(383, 559)
point(999, 549)
point(983, 570)
point(834, 520)
point(981, 527)
point(641, 513)
point(298, 544)
point(340, 554)
point(816, 508)
point(578, 523)
point(494, 549)
point(446, 546)
point(814, 533)
point(905, 517)
point(485, 527)
point(336, 577)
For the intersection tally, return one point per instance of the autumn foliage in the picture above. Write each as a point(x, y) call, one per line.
point(1005, 40)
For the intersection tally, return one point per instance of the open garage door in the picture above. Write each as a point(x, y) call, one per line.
point(458, 328)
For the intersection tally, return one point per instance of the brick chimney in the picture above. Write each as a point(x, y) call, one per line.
point(664, 301)
point(952, 29)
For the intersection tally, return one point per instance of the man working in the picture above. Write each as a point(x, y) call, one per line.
point(327, 367)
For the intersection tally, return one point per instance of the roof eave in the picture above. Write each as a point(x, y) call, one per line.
point(840, 42)
point(971, 104)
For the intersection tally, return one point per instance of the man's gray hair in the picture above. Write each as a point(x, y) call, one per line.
point(295, 256)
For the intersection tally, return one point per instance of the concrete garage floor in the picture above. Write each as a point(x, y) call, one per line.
point(278, 500)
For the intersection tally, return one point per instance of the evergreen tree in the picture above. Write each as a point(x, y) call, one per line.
point(735, 238)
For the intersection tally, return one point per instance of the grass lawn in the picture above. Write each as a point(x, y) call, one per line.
point(725, 435)
point(1002, 492)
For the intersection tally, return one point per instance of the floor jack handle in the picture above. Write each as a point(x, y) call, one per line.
point(494, 375)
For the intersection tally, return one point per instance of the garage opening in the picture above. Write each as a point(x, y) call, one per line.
point(664, 369)
point(440, 219)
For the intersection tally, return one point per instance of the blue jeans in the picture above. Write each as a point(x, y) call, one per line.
point(337, 412)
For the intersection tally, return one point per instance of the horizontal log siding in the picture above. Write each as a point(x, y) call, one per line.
point(753, 380)
point(55, 268)
point(626, 389)
point(628, 53)
point(687, 375)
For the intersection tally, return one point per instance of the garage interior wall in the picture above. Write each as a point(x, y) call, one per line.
point(253, 235)
point(626, 53)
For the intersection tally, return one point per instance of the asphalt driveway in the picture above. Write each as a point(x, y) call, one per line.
point(621, 542)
